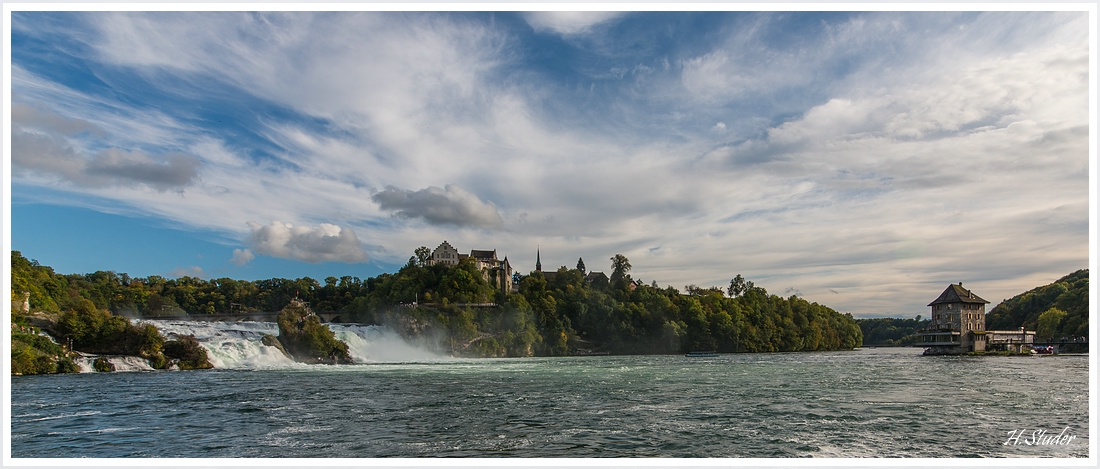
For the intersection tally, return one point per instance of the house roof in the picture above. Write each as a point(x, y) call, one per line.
point(592, 276)
point(487, 255)
point(957, 294)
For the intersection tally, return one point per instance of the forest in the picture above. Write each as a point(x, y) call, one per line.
point(891, 332)
point(1055, 311)
point(562, 315)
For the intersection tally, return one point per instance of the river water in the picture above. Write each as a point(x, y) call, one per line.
point(884, 402)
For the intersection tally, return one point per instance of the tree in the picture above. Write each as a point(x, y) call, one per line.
point(1048, 323)
point(580, 265)
point(423, 255)
point(619, 268)
point(737, 286)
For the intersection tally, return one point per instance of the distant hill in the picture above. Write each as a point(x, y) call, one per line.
point(1069, 294)
point(891, 331)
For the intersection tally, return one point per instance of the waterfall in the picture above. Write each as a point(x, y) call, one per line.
point(237, 345)
point(86, 362)
point(130, 363)
point(233, 345)
point(377, 344)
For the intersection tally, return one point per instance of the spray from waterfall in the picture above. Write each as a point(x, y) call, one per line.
point(238, 345)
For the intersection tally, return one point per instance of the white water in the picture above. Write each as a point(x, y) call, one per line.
point(130, 364)
point(234, 345)
point(375, 344)
point(86, 363)
point(237, 345)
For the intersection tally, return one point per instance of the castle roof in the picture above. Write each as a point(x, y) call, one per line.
point(957, 294)
point(484, 255)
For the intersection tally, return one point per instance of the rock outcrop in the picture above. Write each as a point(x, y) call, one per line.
point(306, 339)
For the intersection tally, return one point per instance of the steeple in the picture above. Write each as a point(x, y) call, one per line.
point(538, 260)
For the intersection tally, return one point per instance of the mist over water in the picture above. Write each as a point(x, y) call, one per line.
point(237, 345)
point(865, 403)
point(379, 344)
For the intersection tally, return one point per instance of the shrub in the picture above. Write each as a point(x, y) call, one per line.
point(189, 353)
point(101, 364)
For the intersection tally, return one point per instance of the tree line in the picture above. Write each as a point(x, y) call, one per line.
point(892, 332)
point(559, 314)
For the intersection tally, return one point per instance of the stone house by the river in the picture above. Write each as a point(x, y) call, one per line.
point(958, 326)
point(958, 323)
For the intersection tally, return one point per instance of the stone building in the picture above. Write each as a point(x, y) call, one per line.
point(958, 323)
point(493, 270)
point(498, 272)
point(444, 254)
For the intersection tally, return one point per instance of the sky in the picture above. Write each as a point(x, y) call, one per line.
point(861, 160)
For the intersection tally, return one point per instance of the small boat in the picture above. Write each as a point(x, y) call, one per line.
point(701, 353)
point(1048, 350)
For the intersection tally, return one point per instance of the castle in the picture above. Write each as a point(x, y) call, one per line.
point(494, 270)
point(498, 271)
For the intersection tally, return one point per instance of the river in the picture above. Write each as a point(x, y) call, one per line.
point(401, 401)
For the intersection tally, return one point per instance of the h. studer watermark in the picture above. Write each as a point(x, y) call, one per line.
point(1038, 438)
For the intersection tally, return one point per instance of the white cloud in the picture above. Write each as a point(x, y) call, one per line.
point(242, 257)
point(568, 22)
point(323, 243)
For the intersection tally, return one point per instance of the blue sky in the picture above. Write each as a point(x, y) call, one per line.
point(861, 160)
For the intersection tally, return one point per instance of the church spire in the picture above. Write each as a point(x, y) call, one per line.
point(538, 260)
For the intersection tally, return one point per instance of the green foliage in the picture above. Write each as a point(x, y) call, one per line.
point(1048, 324)
point(891, 331)
point(1070, 294)
point(48, 290)
point(33, 354)
point(423, 255)
point(67, 365)
point(187, 352)
point(620, 267)
point(306, 339)
point(102, 365)
point(97, 331)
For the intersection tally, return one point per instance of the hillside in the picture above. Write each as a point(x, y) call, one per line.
point(1070, 294)
point(559, 314)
